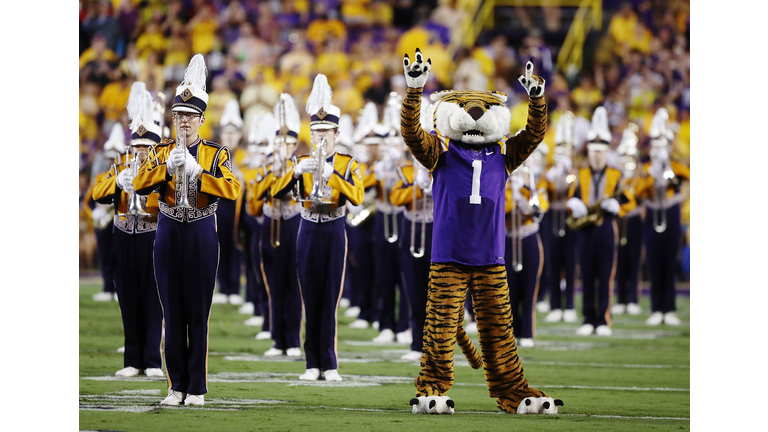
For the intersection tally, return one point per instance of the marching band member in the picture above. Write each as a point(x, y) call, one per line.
point(596, 199)
point(415, 192)
point(630, 231)
point(325, 180)
point(103, 215)
point(344, 145)
point(387, 221)
point(134, 235)
point(228, 212)
point(360, 221)
point(560, 247)
point(261, 135)
point(523, 250)
point(278, 236)
point(538, 166)
point(663, 189)
point(191, 175)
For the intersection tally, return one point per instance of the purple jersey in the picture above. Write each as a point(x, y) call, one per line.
point(468, 193)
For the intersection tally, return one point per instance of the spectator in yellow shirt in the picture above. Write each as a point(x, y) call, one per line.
point(97, 51)
point(113, 98)
point(323, 27)
point(586, 96)
point(151, 40)
point(202, 29)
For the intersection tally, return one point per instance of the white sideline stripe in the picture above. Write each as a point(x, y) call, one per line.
point(609, 365)
point(555, 386)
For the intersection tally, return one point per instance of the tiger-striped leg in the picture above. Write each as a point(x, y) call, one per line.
point(445, 311)
point(503, 370)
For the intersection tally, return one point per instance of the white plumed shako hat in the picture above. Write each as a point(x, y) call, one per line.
point(190, 94)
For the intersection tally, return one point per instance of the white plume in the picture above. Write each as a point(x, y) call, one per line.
point(425, 118)
point(392, 113)
point(659, 127)
point(600, 126)
point(116, 140)
point(320, 97)
point(564, 131)
point(231, 114)
point(195, 73)
point(346, 130)
point(143, 111)
point(292, 119)
point(366, 122)
point(137, 88)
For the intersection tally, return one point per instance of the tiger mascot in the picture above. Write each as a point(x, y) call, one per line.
point(470, 160)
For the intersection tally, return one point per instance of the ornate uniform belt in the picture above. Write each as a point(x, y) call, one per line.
point(669, 202)
point(288, 211)
point(188, 215)
point(320, 213)
point(388, 208)
point(135, 224)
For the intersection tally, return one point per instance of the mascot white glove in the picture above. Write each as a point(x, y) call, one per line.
point(175, 159)
point(577, 207)
point(532, 84)
point(327, 171)
point(417, 72)
point(304, 166)
point(125, 181)
point(611, 205)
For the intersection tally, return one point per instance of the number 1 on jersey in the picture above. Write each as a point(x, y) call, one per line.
point(477, 168)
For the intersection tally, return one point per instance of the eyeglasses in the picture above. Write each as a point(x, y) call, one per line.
point(186, 115)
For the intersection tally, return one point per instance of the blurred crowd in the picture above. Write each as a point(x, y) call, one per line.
point(256, 49)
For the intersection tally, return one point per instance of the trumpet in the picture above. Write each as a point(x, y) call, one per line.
point(318, 182)
point(595, 213)
point(134, 200)
point(418, 253)
point(182, 183)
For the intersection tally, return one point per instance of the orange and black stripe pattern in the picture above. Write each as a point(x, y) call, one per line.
point(425, 147)
point(448, 284)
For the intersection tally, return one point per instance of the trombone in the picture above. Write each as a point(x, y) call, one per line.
point(277, 205)
point(660, 193)
point(134, 200)
point(390, 226)
point(418, 253)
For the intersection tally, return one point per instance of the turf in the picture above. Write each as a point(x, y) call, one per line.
point(636, 380)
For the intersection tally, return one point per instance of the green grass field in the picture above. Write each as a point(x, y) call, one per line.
point(636, 380)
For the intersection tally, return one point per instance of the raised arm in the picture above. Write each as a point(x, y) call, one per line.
point(424, 146)
point(524, 143)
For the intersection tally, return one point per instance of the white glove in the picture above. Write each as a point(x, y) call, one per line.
point(379, 170)
point(175, 159)
point(327, 171)
point(611, 205)
point(532, 84)
point(577, 206)
point(191, 166)
point(255, 161)
point(125, 181)
point(98, 213)
point(304, 166)
point(416, 75)
point(354, 209)
point(423, 179)
point(563, 162)
point(277, 165)
point(553, 173)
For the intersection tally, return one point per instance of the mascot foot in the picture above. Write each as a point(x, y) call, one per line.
point(539, 405)
point(432, 405)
